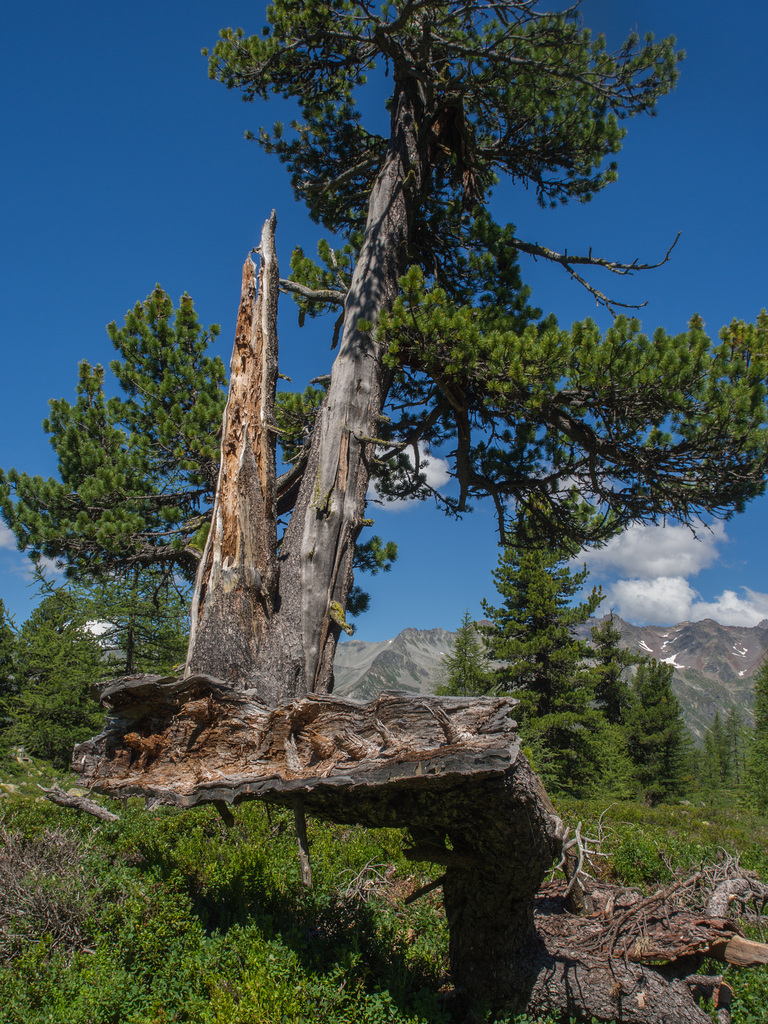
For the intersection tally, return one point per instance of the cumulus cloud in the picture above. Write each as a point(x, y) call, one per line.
point(651, 552)
point(654, 564)
point(437, 471)
point(7, 539)
point(661, 601)
point(733, 610)
point(671, 599)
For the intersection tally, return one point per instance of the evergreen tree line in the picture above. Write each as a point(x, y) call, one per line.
point(76, 637)
point(594, 717)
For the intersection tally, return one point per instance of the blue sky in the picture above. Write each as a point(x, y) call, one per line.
point(124, 166)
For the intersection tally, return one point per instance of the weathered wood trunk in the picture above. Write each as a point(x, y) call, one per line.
point(268, 622)
point(236, 590)
point(319, 541)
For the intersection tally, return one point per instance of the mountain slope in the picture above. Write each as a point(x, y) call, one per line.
point(713, 664)
point(411, 662)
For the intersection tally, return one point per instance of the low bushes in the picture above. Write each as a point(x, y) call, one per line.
point(172, 917)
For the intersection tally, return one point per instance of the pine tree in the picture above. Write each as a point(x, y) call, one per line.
point(734, 731)
point(436, 343)
point(141, 619)
point(611, 665)
point(757, 757)
point(7, 653)
point(708, 766)
point(717, 747)
point(137, 471)
point(544, 664)
point(134, 469)
point(8, 671)
point(656, 733)
point(59, 659)
point(466, 666)
point(613, 775)
point(722, 761)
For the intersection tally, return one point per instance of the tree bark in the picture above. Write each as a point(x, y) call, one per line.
point(316, 556)
point(273, 623)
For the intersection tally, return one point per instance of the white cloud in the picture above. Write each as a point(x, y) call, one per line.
point(732, 610)
point(662, 601)
point(98, 628)
point(668, 600)
point(22, 566)
point(654, 564)
point(650, 552)
point(436, 472)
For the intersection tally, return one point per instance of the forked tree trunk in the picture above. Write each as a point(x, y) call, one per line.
point(253, 717)
point(273, 623)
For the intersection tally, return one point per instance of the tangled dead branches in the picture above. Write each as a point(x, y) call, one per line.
point(46, 892)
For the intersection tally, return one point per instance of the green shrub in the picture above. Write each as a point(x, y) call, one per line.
point(184, 920)
point(190, 921)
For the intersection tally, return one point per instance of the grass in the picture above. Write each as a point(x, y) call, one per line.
point(173, 917)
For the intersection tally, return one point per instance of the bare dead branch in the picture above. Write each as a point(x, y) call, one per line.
point(333, 295)
point(57, 796)
point(613, 266)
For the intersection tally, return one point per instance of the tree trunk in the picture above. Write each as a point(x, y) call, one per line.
point(259, 621)
point(236, 591)
point(319, 542)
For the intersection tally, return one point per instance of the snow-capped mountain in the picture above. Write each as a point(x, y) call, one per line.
point(713, 664)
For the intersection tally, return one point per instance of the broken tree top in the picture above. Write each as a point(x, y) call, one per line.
point(192, 740)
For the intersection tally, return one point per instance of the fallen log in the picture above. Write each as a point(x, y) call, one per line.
point(80, 803)
point(450, 771)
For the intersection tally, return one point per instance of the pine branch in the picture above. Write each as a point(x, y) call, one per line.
point(614, 266)
point(313, 294)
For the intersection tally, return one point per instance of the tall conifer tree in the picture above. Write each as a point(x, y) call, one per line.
point(58, 660)
point(466, 666)
point(7, 653)
point(656, 734)
point(757, 759)
point(611, 662)
point(544, 664)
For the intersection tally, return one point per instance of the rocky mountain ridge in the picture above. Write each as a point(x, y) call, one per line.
point(713, 664)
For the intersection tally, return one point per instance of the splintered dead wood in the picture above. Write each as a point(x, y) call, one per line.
point(194, 740)
point(236, 580)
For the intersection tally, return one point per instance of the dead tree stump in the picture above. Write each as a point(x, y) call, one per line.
point(449, 770)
